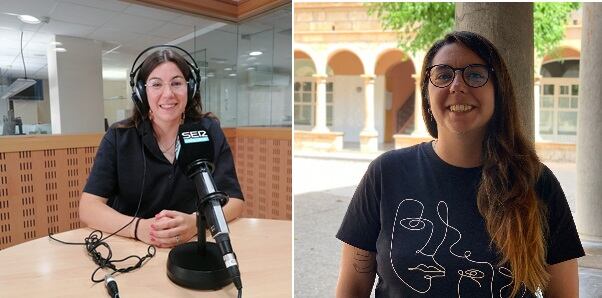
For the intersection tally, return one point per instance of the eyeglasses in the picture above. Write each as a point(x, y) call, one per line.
point(177, 85)
point(474, 75)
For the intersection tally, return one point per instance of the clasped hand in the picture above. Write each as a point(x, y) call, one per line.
point(168, 228)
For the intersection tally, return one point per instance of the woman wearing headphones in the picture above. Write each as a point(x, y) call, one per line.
point(135, 172)
point(473, 213)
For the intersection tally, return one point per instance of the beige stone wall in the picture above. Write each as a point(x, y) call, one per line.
point(338, 22)
point(328, 17)
point(324, 29)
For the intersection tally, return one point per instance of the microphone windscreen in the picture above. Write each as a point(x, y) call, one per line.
point(195, 144)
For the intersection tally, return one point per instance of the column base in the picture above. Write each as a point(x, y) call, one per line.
point(320, 129)
point(557, 152)
point(421, 132)
point(369, 141)
point(329, 141)
point(403, 141)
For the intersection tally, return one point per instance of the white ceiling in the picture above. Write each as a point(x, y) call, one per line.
point(125, 29)
point(132, 27)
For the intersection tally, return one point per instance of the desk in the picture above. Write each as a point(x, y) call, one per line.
point(46, 268)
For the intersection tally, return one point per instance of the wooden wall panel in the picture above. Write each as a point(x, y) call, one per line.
point(40, 185)
point(40, 191)
point(5, 214)
point(264, 170)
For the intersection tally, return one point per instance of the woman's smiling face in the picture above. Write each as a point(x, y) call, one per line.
point(169, 102)
point(459, 108)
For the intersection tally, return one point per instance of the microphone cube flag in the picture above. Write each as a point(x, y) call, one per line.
point(195, 136)
point(195, 145)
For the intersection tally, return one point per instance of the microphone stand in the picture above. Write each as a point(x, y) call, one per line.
point(199, 264)
point(201, 223)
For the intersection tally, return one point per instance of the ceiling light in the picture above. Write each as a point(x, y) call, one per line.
point(210, 75)
point(56, 43)
point(232, 74)
point(227, 69)
point(251, 68)
point(60, 50)
point(255, 53)
point(25, 18)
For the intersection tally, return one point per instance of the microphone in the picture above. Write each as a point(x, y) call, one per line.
point(111, 286)
point(196, 159)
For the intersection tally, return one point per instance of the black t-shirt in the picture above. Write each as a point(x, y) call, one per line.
point(419, 214)
point(118, 170)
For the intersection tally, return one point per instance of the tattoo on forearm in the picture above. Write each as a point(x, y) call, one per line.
point(363, 262)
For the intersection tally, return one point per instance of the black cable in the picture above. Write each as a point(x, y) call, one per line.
point(22, 58)
point(93, 241)
point(240, 293)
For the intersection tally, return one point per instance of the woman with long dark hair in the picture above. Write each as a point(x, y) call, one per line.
point(135, 178)
point(473, 213)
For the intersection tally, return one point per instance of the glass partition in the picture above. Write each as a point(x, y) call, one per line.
point(245, 68)
point(218, 86)
point(247, 81)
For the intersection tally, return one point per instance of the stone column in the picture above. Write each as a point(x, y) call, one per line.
point(513, 38)
point(369, 135)
point(537, 105)
point(589, 141)
point(419, 126)
point(320, 125)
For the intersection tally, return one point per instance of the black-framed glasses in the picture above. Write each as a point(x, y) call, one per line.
point(474, 75)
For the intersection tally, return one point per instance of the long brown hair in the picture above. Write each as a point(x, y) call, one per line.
point(194, 108)
point(514, 216)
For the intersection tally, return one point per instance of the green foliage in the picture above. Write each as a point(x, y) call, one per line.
point(421, 24)
point(549, 20)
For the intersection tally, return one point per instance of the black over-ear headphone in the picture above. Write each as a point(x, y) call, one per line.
point(139, 89)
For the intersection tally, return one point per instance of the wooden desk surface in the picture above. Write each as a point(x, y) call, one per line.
point(46, 268)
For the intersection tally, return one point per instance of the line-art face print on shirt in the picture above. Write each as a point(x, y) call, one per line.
point(426, 254)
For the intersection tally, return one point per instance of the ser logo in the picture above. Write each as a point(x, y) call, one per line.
point(196, 136)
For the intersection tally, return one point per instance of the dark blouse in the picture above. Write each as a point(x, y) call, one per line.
point(129, 158)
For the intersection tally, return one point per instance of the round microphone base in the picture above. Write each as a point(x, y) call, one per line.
point(187, 267)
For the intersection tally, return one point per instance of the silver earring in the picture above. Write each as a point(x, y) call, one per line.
point(430, 113)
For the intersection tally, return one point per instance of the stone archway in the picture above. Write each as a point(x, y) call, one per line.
point(345, 100)
point(397, 69)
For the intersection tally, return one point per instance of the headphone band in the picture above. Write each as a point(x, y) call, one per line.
point(138, 90)
point(194, 66)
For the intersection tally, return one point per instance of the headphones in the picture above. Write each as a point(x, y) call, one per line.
point(139, 89)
